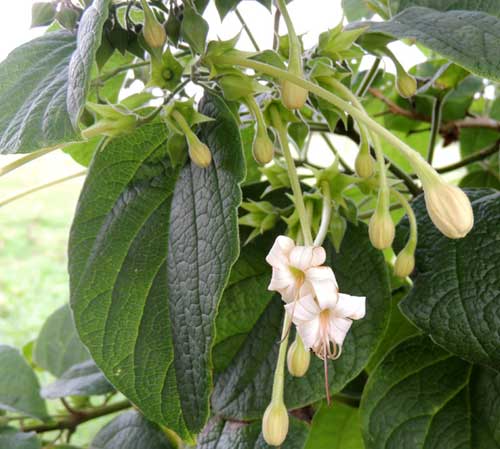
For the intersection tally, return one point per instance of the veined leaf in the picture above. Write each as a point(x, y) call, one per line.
point(423, 397)
point(151, 248)
point(11, 438)
point(488, 6)
point(19, 387)
point(455, 296)
point(477, 32)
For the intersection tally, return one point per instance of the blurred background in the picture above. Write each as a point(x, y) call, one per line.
point(34, 229)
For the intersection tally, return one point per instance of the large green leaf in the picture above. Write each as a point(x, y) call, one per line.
point(19, 387)
point(80, 67)
point(477, 32)
point(243, 389)
point(151, 248)
point(220, 434)
point(488, 6)
point(11, 438)
point(84, 379)
point(455, 297)
point(58, 346)
point(335, 427)
point(131, 430)
point(33, 86)
point(422, 397)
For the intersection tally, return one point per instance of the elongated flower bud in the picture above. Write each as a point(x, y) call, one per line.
point(293, 96)
point(154, 33)
point(381, 229)
point(405, 263)
point(298, 358)
point(263, 149)
point(199, 153)
point(405, 84)
point(364, 165)
point(275, 423)
point(449, 208)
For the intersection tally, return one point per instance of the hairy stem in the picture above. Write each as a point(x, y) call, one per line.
point(25, 159)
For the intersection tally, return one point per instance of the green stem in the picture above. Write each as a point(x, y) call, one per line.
point(437, 109)
point(108, 75)
point(326, 214)
point(292, 174)
point(412, 241)
point(257, 113)
point(247, 29)
point(24, 193)
point(25, 159)
point(368, 79)
point(475, 157)
point(330, 145)
point(279, 372)
point(184, 126)
point(413, 156)
point(383, 203)
point(295, 53)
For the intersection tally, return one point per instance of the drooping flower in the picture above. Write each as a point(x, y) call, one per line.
point(323, 324)
point(297, 271)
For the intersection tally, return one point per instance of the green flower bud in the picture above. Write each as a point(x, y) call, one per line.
point(405, 263)
point(153, 31)
point(364, 165)
point(293, 96)
point(381, 229)
point(449, 208)
point(405, 83)
point(275, 423)
point(338, 226)
point(263, 149)
point(199, 153)
point(298, 358)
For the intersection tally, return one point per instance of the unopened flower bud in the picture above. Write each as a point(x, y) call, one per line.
point(263, 148)
point(381, 229)
point(154, 33)
point(405, 84)
point(449, 208)
point(199, 153)
point(275, 423)
point(405, 263)
point(298, 358)
point(364, 165)
point(293, 96)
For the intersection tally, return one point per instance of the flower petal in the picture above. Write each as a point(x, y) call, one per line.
point(353, 307)
point(319, 256)
point(324, 284)
point(301, 257)
point(282, 278)
point(303, 310)
point(338, 328)
point(309, 332)
point(280, 251)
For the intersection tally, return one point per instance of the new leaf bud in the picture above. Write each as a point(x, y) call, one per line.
point(298, 358)
point(275, 423)
point(449, 208)
point(381, 229)
point(293, 96)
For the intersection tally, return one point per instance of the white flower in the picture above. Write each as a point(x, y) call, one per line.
point(322, 324)
point(297, 271)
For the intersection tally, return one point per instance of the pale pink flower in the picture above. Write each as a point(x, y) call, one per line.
point(297, 271)
point(322, 324)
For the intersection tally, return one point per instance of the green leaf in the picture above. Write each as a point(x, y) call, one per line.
point(131, 430)
point(145, 284)
point(477, 32)
point(422, 397)
point(88, 41)
point(224, 6)
point(42, 14)
point(481, 178)
point(33, 84)
point(488, 6)
point(19, 387)
point(335, 427)
point(11, 438)
point(220, 434)
point(253, 172)
point(243, 389)
point(58, 346)
point(452, 300)
point(356, 10)
point(82, 152)
point(84, 379)
point(194, 30)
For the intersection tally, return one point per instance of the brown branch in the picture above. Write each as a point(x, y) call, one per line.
point(72, 421)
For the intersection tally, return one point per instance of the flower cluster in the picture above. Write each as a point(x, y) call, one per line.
point(322, 315)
